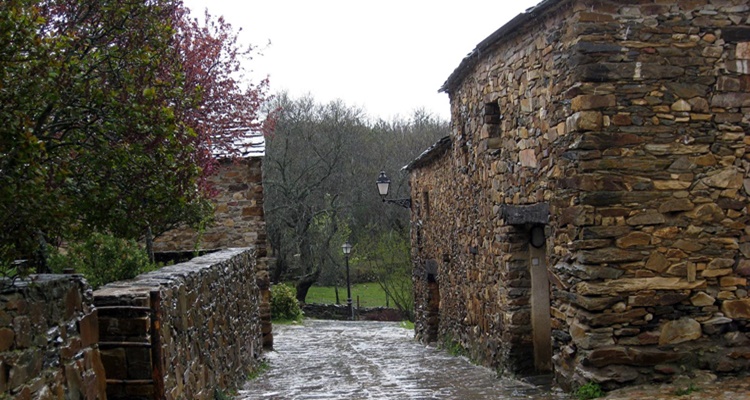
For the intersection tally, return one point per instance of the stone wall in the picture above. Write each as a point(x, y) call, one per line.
point(238, 219)
point(628, 119)
point(183, 331)
point(460, 238)
point(238, 222)
point(48, 340)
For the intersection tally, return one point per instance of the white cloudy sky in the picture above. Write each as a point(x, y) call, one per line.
point(389, 57)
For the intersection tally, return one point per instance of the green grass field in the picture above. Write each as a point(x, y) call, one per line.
point(370, 295)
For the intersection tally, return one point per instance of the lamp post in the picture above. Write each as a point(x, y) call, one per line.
point(347, 248)
point(384, 184)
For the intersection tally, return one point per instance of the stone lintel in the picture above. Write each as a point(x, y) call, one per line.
point(525, 214)
point(624, 285)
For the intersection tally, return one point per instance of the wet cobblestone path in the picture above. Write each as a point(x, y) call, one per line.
point(373, 360)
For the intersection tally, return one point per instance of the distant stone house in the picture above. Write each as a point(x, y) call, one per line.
point(588, 214)
point(238, 219)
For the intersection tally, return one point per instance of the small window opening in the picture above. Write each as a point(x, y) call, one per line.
point(492, 113)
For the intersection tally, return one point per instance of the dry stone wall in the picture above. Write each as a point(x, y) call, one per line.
point(183, 331)
point(630, 120)
point(655, 274)
point(48, 340)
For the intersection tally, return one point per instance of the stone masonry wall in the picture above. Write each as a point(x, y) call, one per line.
point(504, 122)
point(182, 331)
point(48, 340)
point(630, 119)
point(238, 218)
point(238, 222)
point(652, 198)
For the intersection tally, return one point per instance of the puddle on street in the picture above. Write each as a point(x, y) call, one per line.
point(373, 360)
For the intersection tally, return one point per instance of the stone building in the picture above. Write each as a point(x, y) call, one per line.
point(238, 218)
point(588, 214)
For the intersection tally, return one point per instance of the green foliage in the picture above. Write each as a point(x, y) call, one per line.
point(284, 305)
point(220, 394)
point(103, 259)
point(589, 391)
point(112, 112)
point(686, 391)
point(259, 370)
point(321, 163)
point(407, 325)
point(10, 271)
point(89, 139)
point(389, 261)
point(453, 347)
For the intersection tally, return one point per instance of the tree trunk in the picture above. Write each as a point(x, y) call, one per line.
point(304, 284)
point(279, 268)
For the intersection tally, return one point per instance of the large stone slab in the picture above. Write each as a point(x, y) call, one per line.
point(625, 285)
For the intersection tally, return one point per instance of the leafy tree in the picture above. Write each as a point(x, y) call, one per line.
point(103, 259)
point(226, 115)
point(113, 111)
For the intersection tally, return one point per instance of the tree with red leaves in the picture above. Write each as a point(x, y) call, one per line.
point(227, 117)
point(114, 113)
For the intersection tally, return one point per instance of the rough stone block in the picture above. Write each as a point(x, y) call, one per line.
point(736, 309)
point(584, 121)
point(609, 255)
point(634, 239)
point(7, 338)
point(731, 99)
point(657, 299)
point(736, 34)
point(609, 319)
point(679, 331)
point(592, 102)
point(528, 158)
point(88, 327)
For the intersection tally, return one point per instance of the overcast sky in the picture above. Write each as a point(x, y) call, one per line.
point(388, 57)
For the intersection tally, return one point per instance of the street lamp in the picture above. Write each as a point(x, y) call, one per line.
point(384, 184)
point(347, 248)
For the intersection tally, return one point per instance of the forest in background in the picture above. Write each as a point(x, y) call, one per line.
point(319, 177)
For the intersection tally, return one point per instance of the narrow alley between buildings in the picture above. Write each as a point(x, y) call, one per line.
point(374, 360)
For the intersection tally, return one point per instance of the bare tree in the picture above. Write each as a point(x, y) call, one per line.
point(319, 176)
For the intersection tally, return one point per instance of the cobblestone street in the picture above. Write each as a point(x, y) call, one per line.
point(380, 360)
point(373, 360)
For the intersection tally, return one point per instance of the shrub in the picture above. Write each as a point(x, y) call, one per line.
point(589, 391)
point(102, 259)
point(284, 305)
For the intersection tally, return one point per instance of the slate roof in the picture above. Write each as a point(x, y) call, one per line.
point(429, 155)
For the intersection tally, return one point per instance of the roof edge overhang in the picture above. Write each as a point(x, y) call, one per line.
point(431, 154)
point(505, 31)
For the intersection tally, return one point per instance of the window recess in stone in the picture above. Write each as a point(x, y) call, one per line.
point(492, 113)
